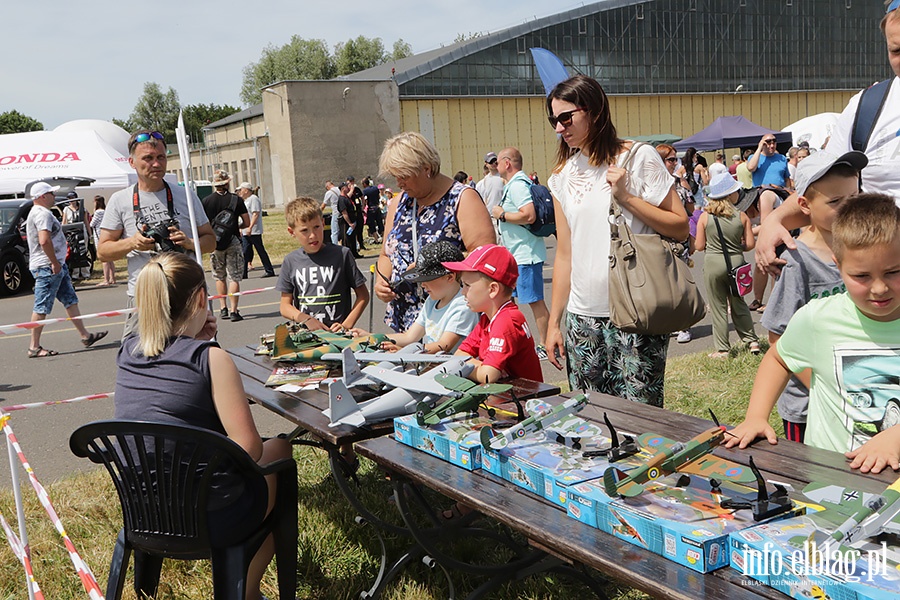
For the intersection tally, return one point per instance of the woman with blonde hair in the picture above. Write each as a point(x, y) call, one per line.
point(737, 233)
point(590, 169)
point(170, 372)
point(431, 207)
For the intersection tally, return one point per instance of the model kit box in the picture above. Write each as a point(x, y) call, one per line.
point(683, 523)
point(784, 556)
point(454, 440)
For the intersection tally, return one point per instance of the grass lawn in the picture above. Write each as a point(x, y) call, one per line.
point(338, 558)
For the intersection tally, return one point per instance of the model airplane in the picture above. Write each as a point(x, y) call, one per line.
point(688, 457)
point(542, 419)
point(296, 343)
point(626, 529)
point(413, 353)
point(858, 516)
point(354, 376)
point(465, 397)
point(409, 390)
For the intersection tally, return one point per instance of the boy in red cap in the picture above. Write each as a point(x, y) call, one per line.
point(501, 344)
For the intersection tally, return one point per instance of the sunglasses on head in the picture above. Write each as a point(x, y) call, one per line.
point(893, 6)
point(145, 137)
point(565, 118)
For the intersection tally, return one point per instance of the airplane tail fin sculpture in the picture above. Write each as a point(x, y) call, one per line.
point(352, 372)
point(611, 479)
point(343, 409)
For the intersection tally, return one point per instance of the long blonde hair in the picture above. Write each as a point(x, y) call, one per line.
point(165, 295)
point(721, 207)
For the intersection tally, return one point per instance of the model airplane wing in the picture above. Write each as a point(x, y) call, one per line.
point(712, 466)
point(406, 381)
point(413, 353)
point(456, 383)
point(653, 442)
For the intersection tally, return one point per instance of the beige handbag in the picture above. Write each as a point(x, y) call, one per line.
point(651, 290)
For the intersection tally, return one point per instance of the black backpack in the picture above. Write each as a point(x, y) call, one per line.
point(867, 112)
point(224, 225)
point(544, 218)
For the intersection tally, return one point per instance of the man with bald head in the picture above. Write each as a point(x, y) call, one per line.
point(514, 213)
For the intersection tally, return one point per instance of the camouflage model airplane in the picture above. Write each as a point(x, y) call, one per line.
point(296, 343)
point(465, 397)
point(857, 515)
point(688, 457)
point(542, 419)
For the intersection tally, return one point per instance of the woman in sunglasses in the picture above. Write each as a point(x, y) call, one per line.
point(598, 355)
point(431, 207)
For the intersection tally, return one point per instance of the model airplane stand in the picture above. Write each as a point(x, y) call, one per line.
point(766, 505)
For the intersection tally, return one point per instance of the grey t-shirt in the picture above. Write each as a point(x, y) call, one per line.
point(255, 206)
point(154, 208)
point(804, 278)
point(320, 283)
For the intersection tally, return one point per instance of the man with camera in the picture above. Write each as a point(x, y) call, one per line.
point(150, 216)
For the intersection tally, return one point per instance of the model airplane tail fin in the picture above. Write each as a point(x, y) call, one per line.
point(343, 409)
point(612, 484)
point(352, 372)
point(491, 441)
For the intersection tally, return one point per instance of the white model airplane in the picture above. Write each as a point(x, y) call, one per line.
point(409, 390)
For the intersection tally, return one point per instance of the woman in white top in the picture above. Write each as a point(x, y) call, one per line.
point(599, 356)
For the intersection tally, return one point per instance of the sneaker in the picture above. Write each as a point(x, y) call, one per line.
point(754, 348)
point(684, 337)
point(236, 316)
point(224, 313)
point(272, 274)
point(541, 352)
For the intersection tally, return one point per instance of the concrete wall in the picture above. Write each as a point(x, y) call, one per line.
point(328, 130)
point(465, 129)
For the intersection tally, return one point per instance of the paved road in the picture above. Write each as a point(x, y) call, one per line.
point(44, 432)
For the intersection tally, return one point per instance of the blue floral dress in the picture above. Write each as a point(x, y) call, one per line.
point(435, 222)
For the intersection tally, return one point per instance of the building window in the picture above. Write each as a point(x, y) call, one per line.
point(582, 26)
point(520, 45)
point(234, 171)
point(244, 171)
point(252, 178)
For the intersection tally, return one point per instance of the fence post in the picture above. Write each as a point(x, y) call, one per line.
point(20, 509)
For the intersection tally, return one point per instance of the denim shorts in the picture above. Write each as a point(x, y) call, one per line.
point(48, 287)
point(530, 284)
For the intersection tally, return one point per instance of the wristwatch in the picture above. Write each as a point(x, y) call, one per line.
point(503, 217)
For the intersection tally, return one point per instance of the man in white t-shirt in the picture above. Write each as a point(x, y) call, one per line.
point(252, 236)
point(719, 166)
point(332, 195)
point(155, 203)
point(883, 151)
point(47, 263)
point(491, 187)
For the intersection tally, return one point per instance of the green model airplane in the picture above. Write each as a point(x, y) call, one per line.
point(540, 420)
point(692, 456)
point(294, 342)
point(465, 397)
point(856, 515)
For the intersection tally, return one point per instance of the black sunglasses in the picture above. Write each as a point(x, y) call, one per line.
point(563, 118)
point(145, 137)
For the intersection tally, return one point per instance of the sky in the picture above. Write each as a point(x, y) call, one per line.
point(90, 59)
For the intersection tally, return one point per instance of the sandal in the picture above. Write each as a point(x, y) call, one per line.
point(754, 348)
point(93, 338)
point(755, 305)
point(41, 352)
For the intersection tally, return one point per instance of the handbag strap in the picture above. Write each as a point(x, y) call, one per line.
point(722, 241)
point(615, 211)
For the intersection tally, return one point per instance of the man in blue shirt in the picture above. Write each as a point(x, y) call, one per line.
point(769, 168)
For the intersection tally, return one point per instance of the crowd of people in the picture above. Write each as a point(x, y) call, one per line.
point(457, 261)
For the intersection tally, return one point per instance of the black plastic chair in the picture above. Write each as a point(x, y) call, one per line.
point(165, 496)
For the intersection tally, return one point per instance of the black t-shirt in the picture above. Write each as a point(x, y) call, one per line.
point(346, 204)
point(372, 196)
point(216, 203)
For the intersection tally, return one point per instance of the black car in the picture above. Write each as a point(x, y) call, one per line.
point(14, 273)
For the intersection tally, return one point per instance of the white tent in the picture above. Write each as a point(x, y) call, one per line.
point(815, 129)
point(25, 157)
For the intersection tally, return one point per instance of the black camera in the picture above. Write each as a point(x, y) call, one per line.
point(159, 233)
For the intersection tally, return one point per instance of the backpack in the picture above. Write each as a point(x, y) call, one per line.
point(867, 112)
point(544, 218)
point(224, 225)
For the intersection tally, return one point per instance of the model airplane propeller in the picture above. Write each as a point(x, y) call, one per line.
point(492, 440)
point(467, 398)
point(688, 457)
point(858, 516)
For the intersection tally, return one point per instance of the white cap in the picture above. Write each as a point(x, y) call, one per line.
point(815, 166)
point(41, 188)
point(245, 186)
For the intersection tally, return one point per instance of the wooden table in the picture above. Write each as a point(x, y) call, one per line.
point(548, 527)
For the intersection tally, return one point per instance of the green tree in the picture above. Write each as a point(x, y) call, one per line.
point(126, 124)
point(358, 54)
point(401, 50)
point(157, 111)
point(198, 116)
point(465, 37)
point(12, 121)
point(299, 59)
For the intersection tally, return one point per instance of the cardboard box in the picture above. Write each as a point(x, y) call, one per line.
point(454, 440)
point(683, 524)
point(780, 555)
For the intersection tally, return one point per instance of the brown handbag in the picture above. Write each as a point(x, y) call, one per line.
point(651, 290)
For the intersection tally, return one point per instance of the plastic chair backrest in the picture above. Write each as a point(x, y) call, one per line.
point(165, 495)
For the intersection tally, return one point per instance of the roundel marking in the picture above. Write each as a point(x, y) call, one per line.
point(734, 471)
point(653, 473)
point(656, 441)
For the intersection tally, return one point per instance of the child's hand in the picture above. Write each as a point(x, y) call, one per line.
point(744, 434)
point(389, 346)
point(357, 332)
point(879, 452)
point(209, 328)
point(314, 324)
point(338, 328)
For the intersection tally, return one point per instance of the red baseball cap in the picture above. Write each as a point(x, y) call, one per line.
point(492, 260)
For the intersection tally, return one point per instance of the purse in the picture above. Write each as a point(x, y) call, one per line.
point(651, 290)
point(742, 275)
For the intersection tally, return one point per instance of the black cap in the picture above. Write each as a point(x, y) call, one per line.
point(429, 266)
point(72, 195)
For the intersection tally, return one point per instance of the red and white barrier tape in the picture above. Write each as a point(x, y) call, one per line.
point(54, 402)
point(84, 572)
point(9, 329)
point(22, 554)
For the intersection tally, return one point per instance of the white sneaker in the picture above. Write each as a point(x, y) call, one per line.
point(684, 337)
